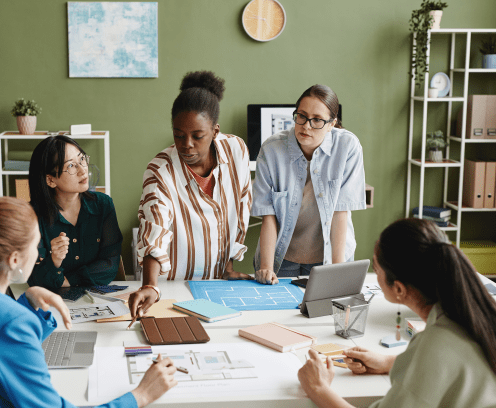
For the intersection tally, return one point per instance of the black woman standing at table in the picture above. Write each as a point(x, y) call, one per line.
point(196, 200)
point(308, 181)
point(80, 237)
point(452, 363)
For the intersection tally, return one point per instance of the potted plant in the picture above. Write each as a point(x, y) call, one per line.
point(426, 18)
point(435, 143)
point(488, 51)
point(26, 112)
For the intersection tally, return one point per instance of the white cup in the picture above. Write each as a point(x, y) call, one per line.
point(433, 92)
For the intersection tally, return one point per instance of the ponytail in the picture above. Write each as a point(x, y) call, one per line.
point(418, 254)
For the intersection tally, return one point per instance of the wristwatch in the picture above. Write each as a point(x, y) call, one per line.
point(155, 288)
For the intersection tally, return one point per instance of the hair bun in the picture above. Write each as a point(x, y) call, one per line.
point(204, 79)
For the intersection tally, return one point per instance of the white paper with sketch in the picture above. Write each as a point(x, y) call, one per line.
point(97, 311)
point(215, 370)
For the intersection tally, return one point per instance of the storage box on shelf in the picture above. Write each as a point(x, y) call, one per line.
point(482, 254)
point(5, 174)
point(470, 112)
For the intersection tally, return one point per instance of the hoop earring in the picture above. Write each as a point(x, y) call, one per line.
point(398, 322)
point(17, 276)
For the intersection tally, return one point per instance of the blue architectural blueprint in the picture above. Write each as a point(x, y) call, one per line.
point(249, 295)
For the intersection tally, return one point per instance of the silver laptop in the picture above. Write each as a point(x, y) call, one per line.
point(332, 281)
point(67, 349)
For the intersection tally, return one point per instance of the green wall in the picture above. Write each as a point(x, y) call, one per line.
point(360, 48)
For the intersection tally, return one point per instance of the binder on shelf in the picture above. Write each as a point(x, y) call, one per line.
point(490, 185)
point(22, 189)
point(476, 117)
point(490, 131)
point(473, 183)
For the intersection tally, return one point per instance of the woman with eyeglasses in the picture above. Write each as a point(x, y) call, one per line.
point(80, 237)
point(307, 182)
point(25, 324)
point(452, 363)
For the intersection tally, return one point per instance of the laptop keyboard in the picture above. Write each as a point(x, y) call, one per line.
point(58, 348)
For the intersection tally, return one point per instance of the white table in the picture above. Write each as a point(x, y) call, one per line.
point(72, 384)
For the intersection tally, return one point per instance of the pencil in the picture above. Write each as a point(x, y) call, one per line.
point(180, 369)
point(87, 293)
point(132, 322)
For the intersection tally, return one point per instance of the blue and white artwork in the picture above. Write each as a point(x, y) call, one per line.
point(113, 40)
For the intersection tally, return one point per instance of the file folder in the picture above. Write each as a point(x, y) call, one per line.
point(490, 185)
point(490, 132)
point(476, 117)
point(474, 183)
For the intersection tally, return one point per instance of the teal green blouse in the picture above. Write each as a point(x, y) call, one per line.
point(94, 248)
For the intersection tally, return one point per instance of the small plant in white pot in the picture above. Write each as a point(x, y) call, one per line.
point(435, 143)
point(488, 51)
point(26, 112)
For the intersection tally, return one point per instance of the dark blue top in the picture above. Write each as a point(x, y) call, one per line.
point(24, 377)
point(94, 248)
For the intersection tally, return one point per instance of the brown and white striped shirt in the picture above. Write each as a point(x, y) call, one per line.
point(192, 235)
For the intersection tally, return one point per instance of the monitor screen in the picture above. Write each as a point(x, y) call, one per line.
point(265, 120)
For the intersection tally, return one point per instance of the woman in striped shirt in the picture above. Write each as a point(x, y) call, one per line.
point(196, 200)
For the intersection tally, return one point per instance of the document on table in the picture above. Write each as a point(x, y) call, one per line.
point(214, 370)
point(96, 311)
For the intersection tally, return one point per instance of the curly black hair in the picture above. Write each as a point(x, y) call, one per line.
point(201, 92)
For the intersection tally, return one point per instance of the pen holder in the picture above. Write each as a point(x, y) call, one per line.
point(350, 316)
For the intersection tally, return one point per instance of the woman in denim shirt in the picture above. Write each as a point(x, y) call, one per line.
point(308, 180)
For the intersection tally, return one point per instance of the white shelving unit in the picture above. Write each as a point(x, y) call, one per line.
point(466, 35)
point(12, 135)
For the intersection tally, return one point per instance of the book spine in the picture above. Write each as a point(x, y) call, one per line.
point(434, 214)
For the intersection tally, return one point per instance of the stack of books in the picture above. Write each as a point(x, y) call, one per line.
point(439, 215)
point(414, 326)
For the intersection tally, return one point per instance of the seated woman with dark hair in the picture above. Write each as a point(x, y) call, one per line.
point(452, 363)
point(80, 237)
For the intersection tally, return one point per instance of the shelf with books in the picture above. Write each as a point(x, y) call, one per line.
point(454, 205)
point(462, 65)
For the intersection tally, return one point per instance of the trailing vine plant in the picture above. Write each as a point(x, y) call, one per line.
point(420, 22)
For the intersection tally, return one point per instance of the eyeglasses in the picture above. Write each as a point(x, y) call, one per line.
point(316, 123)
point(73, 168)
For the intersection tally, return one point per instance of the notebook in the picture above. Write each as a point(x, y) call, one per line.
point(206, 310)
point(68, 349)
point(278, 337)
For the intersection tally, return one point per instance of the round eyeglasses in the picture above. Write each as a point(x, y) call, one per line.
point(315, 123)
point(73, 168)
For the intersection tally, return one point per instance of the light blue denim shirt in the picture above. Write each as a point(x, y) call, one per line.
point(338, 180)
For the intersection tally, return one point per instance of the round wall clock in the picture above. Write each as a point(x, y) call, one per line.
point(442, 82)
point(264, 20)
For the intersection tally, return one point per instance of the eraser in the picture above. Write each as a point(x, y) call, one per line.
point(390, 341)
point(80, 129)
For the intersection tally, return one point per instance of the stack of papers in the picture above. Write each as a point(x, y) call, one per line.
point(414, 326)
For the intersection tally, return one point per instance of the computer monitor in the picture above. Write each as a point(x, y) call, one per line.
point(265, 120)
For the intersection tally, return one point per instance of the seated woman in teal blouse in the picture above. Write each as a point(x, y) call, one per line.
point(80, 237)
point(25, 324)
point(452, 363)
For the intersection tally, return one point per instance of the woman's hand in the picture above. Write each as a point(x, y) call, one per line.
point(141, 300)
point(158, 379)
point(315, 376)
point(41, 297)
point(60, 248)
point(231, 274)
point(266, 276)
point(362, 361)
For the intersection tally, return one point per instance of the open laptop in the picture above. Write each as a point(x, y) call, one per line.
point(68, 349)
point(327, 282)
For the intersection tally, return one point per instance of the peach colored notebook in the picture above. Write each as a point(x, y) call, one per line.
point(278, 336)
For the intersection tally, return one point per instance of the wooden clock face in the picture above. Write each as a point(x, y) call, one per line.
point(264, 20)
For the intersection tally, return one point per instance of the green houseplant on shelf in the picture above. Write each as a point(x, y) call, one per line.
point(435, 144)
point(26, 112)
point(488, 51)
point(426, 17)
